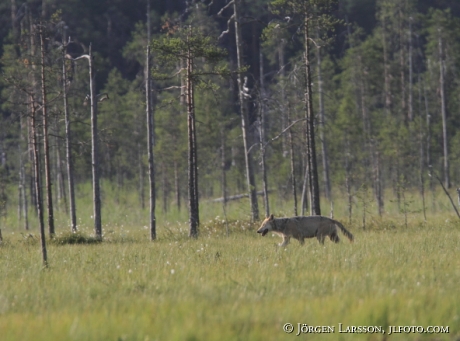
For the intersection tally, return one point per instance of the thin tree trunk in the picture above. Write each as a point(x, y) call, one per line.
point(49, 192)
point(378, 182)
point(223, 165)
point(411, 107)
point(386, 68)
point(25, 211)
point(315, 208)
point(291, 155)
point(95, 151)
point(68, 144)
point(141, 177)
point(150, 142)
point(262, 134)
point(224, 177)
point(304, 198)
point(443, 113)
point(192, 157)
point(325, 158)
point(421, 154)
point(348, 179)
point(164, 188)
point(177, 186)
point(33, 193)
point(244, 118)
point(282, 73)
point(402, 64)
point(59, 176)
point(22, 177)
point(36, 154)
point(31, 48)
point(428, 146)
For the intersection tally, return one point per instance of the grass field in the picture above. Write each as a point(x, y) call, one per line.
point(238, 286)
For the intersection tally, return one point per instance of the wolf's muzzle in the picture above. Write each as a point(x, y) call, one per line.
point(264, 232)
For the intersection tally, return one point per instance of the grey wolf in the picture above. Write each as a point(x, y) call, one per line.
point(303, 227)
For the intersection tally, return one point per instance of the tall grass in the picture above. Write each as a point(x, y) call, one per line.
point(238, 286)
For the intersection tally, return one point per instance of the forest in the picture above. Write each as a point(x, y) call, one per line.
point(180, 103)
point(143, 142)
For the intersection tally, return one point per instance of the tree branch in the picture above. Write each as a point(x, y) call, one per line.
point(224, 8)
point(229, 21)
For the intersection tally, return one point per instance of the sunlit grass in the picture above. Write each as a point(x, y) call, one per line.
point(230, 283)
point(236, 287)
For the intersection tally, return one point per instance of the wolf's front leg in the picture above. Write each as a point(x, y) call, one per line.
point(285, 241)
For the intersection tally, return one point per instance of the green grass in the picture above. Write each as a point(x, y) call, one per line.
point(240, 287)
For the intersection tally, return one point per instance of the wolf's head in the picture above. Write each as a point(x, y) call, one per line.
point(267, 225)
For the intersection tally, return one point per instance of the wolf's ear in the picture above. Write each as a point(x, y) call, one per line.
point(271, 217)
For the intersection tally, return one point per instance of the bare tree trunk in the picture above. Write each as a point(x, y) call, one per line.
point(177, 186)
point(402, 64)
point(411, 107)
point(49, 192)
point(59, 176)
point(164, 188)
point(421, 154)
point(31, 50)
point(141, 177)
point(37, 184)
point(325, 158)
point(150, 142)
point(443, 112)
point(348, 179)
point(223, 166)
point(315, 208)
point(24, 212)
point(378, 181)
point(262, 134)
point(192, 157)
point(428, 146)
point(282, 73)
point(244, 118)
point(291, 155)
point(386, 68)
point(304, 198)
point(33, 193)
point(95, 151)
point(68, 144)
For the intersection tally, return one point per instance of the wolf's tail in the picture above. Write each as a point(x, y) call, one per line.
point(344, 230)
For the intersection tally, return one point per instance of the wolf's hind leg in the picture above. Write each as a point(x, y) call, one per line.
point(334, 237)
point(320, 238)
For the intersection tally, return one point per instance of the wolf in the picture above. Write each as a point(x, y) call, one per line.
point(303, 227)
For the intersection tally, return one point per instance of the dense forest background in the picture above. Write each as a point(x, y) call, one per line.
point(384, 85)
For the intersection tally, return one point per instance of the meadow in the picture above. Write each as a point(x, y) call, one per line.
point(230, 283)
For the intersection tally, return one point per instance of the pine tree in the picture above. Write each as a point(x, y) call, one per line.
point(189, 45)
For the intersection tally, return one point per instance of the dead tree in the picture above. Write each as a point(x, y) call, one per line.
point(94, 147)
point(49, 192)
point(149, 116)
point(68, 144)
point(38, 190)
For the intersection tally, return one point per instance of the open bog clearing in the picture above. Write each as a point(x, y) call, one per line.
point(390, 284)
